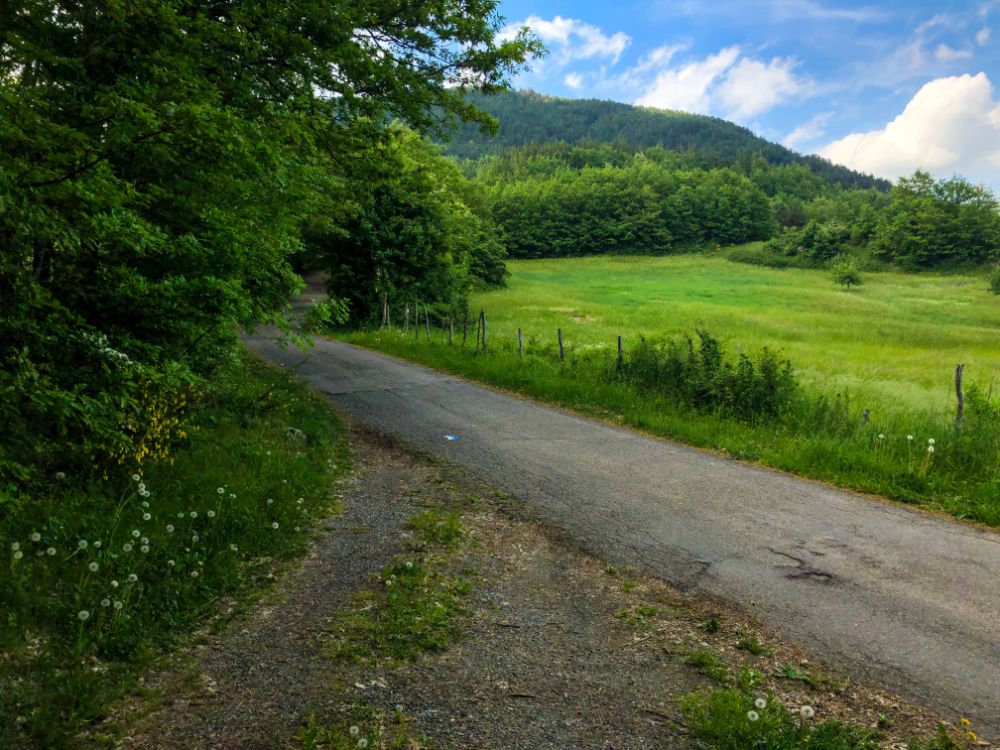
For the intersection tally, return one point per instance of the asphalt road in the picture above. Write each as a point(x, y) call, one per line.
point(898, 596)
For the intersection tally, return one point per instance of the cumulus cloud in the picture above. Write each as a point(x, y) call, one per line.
point(983, 36)
point(569, 39)
point(726, 83)
point(951, 125)
point(809, 131)
point(573, 80)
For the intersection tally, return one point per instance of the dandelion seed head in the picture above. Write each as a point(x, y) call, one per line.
point(909, 437)
point(136, 477)
point(362, 743)
point(270, 501)
point(170, 528)
point(105, 602)
point(193, 514)
point(221, 490)
point(132, 577)
point(97, 544)
point(82, 544)
point(51, 551)
point(931, 441)
point(144, 549)
point(15, 546)
point(760, 703)
point(195, 537)
point(142, 488)
point(753, 715)
point(145, 493)
point(114, 584)
point(171, 563)
point(233, 547)
point(18, 554)
point(807, 712)
point(127, 547)
point(274, 525)
point(84, 615)
point(60, 475)
point(232, 495)
point(93, 567)
point(930, 448)
point(118, 604)
point(136, 533)
point(144, 540)
point(146, 516)
point(881, 436)
point(35, 537)
point(145, 504)
point(354, 731)
point(211, 514)
point(194, 573)
point(180, 515)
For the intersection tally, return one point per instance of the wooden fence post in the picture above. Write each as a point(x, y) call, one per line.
point(451, 328)
point(482, 315)
point(479, 326)
point(562, 351)
point(960, 413)
point(520, 345)
point(406, 320)
point(427, 321)
point(621, 354)
point(465, 327)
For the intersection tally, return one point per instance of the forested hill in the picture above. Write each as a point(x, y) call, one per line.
point(529, 118)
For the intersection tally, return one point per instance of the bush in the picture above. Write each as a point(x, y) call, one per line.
point(995, 280)
point(845, 271)
point(701, 377)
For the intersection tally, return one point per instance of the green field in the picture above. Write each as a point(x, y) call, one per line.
point(889, 347)
point(894, 341)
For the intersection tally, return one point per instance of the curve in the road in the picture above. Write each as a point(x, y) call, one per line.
point(909, 599)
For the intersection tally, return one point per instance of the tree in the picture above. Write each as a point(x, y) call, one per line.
point(157, 163)
point(845, 271)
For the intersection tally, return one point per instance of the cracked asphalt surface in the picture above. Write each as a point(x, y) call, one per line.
point(898, 596)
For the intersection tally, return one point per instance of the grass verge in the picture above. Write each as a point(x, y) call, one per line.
point(114, 571)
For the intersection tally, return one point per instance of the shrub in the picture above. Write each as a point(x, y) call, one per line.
point(995, 280)
point(845, 271)
point(700, 377)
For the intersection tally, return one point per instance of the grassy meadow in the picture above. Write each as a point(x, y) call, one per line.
point(892, 342)
point(889, 347)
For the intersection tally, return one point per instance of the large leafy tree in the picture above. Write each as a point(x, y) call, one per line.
point(157, 160)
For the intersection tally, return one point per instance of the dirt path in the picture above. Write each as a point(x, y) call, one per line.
point(557, 649)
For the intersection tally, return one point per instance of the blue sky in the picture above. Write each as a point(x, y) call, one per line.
point(882, 87)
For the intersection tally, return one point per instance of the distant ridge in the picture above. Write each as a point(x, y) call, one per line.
point(527, 118)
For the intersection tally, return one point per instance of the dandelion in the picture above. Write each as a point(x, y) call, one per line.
point(84, 615)
point(145, 493)
point(127, 547)
point(36, 537)
point(753, 715)
point(60, 475)
point(144, 548)
point(234, 548)
point(132, 578)
point(410, 565)
point(274, 525)
point(144, 504)
point(298, 529)
point(144, 540)
point(105, 602)
point(82, 544)
point(964, 722)
point(114, 584)
point(362, 743)
point(146, 516)
point(142, 488)
point(930, 448)
point(193, 514)
point(268, 453)
point(221, 490)
point(760, 703)
point(972, 736)
point(15, 546)
point(136, 533)
point(93, 567)
point(354, 731)
point(232, 495)
point(118, 604)
point(807, 712)
point(931, 441)
point(195, 537)
point(194, 573)
point(180, 515)
point(909, 437)
point(170, 528)
point(135, 477)
point(171, 563)
point(881, 436)
point(51, 551)
point(211, 514)
point(270, 501)
point(97, 544)
point(18, 554)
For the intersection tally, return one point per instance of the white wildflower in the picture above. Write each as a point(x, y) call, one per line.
point(144, 548)
point(909, 437)
point(760, 703)
point(82, 544)
point(807, 712)
point(194, 573)
point(114, 584)
point(274, 525)
point(83, 614)
point(118, 604)
point(136, 533)
point(132, 577)
point(931, 441)
point(354, 731)
point(753, 715)
point(35, 537)
point(146, 516)
point(135, 477)
point(211, 514)
point(930, 448)
point(18, 554)
point(127, 547)
point(221, 490)
point(105, 602)
point(51, 551)
point(60, 475)
point(97, 544)
point(193, 514)
point(15, 546)
point(170, 528)
point(93, 567)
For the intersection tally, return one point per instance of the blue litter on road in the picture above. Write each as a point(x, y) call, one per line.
point(451, 438)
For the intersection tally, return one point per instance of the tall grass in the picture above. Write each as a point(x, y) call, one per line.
point(749, 407)
point(100, 575)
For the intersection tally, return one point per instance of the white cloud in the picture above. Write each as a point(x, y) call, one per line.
point(569, 39)
point(752, 87)
point(573, 80)
point(951, 125)
point(726, 83)
point(983, 36)
point(687, 87)
point(944, 53)
point(809, 131)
